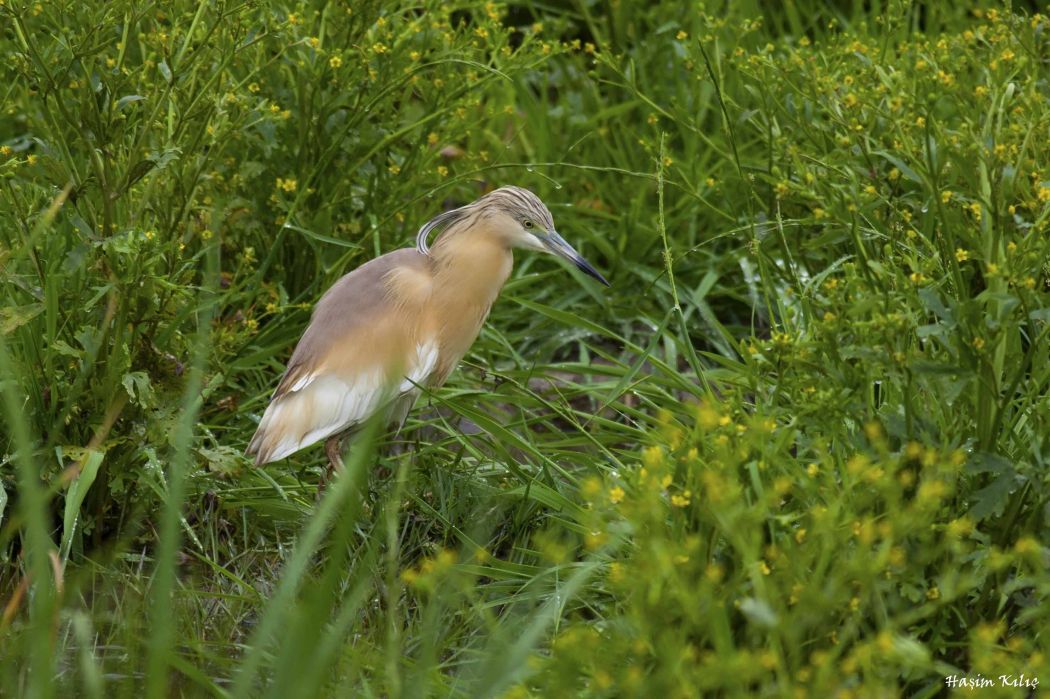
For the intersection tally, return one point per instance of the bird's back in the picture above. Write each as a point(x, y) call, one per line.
point(361, 349)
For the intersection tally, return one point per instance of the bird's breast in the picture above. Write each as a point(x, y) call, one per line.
point(466, 284)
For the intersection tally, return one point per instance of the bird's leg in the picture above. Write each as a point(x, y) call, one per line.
point(333, 447)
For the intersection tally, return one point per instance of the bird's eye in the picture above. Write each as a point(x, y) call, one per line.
point(526, 222)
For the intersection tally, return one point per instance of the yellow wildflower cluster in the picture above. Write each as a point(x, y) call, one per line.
point(423, 575)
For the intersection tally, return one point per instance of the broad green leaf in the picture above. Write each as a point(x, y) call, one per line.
point(75, 495)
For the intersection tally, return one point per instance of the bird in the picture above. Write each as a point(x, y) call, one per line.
point(400, 323)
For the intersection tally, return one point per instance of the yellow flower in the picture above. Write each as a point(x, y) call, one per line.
point(442, 170)
point(253, 87)
point(920, 122)
point(681, 36)
point(653, 457)
point(1026, 545)
point(980, 91)
point(288, 185)
point(706, 416)
point(682, 500)
point(335, 61)
point(294, 18)
point(959, 527)
point(961, 255)
point(946, 196)
point(31, 159)
point(857, 463)
point(394, 169)
point(1043, 194)
point(616, 495)
point(379, 48)
point(992, 269)
point(6, 151)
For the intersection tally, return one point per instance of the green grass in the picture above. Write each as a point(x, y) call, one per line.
point(799, 447)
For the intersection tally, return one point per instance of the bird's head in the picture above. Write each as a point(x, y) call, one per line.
point(521, 217)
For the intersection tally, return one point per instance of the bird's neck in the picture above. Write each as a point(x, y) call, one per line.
point(469, 270)
point(471, 266)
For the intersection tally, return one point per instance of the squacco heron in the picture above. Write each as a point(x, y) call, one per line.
point(402, 322)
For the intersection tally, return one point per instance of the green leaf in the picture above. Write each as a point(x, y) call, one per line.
point(908, 173)
point(138, 386)
point(985, 462)
point(136, 172)
point(991, 499)
point(223, 460)
point(323, 238)
point(14, 317)
point(75, 498)
point(128, 99)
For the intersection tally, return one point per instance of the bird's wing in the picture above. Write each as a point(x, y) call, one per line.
point(361, 350)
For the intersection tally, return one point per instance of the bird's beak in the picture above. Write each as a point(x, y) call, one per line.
point(557, 245)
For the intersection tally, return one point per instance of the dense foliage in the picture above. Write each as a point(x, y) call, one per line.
point(800, 446)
